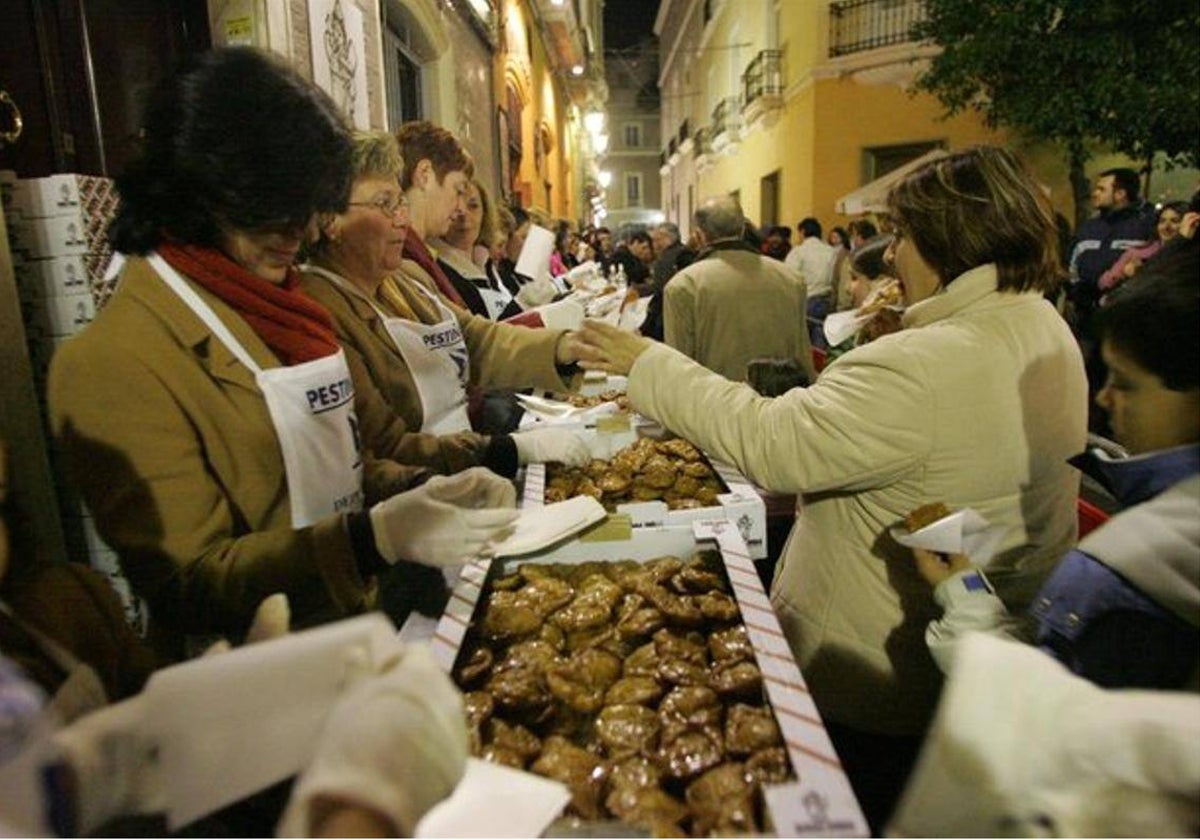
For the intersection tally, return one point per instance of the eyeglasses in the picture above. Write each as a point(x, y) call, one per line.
point(388, 206)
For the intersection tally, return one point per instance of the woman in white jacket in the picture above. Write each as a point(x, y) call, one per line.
point(976, 402)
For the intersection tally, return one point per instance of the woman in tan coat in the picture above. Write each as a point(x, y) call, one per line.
point(207, 414)
point(978, 401)
point(409, 371)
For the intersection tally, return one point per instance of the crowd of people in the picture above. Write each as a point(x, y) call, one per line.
point(296, 403)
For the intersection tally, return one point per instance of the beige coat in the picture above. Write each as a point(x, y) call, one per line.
point(733, 306)
point(979, 402)
point(171, 445)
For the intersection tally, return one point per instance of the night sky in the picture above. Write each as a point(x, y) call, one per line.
point(628, 22)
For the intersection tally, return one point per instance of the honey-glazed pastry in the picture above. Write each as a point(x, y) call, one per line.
point(686, 487)
point(534, 571)
point(641, 492)
point(926, 515)
point(685, 504)
point(680, 448)
point(690, 754)
point(732, 645)
point(738, 681)
point(557, 493)
point(635, 773)
point(519, 690)
point(615, 482)
point(696, 469)
point(707, 496)
point(594, 602)
point(717, 606)
point(587, 487)
point(591, 637)
point(497, 754)
point(769, 766)
point(749, 729)
point(690, 647)
point(644, 691)
point(479, 707)
point(535, 654)
point(658, 473)
point(508, 617)
point(627, 730)
point(553, 635)
point(661, 569)
point(596, 468)
point(722, 802)
point(620, 571)
point(582, 680)
point(508, 583)
point(582, 772)
point(643, 662)
point(696, 580)
point(547, 594)
point(679, 610)
point(476, 668)
point(640, 623)
point(691, 707)
point(651, 808)
point(682, 672)
point(516, 738)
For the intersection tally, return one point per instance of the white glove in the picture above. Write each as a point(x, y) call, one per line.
point(541, 446)
point(114, 762)
point(395, 744)
point(447, 521)
point(536, 292)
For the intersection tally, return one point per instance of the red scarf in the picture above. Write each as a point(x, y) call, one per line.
point(416, 250)
point(293, 325)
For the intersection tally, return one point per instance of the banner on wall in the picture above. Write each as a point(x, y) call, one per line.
point(339, 56)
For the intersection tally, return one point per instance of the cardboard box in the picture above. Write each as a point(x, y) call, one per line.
point(39, 198)
point(61, 315)
point(52, 276)
point(741, 505)
point(57, 236)
point(820, 803)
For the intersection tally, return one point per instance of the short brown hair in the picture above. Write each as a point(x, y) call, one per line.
point(488, 232)
point(978, 206)
point(422, 140)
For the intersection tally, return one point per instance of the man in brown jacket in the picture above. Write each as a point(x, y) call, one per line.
point(733, 304)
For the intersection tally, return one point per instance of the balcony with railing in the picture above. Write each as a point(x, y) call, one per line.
point(762, 85)
point(726, 122)
point(702, 141)
point(860, 25)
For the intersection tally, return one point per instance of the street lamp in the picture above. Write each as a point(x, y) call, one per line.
point(600, 143)
point(604, 178)
point(593, 121)
point(577, 70)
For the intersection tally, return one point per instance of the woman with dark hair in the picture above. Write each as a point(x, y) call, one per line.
point(1166, 228)
point(869, 272)
point(464, 253)
point(208, 412)
point(977, 402)
point(839, 238)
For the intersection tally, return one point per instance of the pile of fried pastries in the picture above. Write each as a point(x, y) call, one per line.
point(611, 395)
point(634, 684)
point(674, 471)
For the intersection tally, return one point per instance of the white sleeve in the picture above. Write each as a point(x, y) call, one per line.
point(969, 605)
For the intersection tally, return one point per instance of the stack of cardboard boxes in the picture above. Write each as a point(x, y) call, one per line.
point(58, 235)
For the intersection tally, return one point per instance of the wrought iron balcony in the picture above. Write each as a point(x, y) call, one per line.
point(726, 116)
point(685, 131)
point(858, 25)
point(763, 76)
point(702, 141)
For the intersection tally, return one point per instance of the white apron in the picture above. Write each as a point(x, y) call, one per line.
point(436, 356)
point(312, 409)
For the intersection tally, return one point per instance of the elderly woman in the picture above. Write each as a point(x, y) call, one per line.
point(977, 402)
point(464, 254)
point(419, 362)
point(436, 347)
point(208, 412)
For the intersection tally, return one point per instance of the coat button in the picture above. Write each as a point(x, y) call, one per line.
point(1073, 619)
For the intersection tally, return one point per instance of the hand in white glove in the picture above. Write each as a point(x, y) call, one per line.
point(536, 293)
point(114, 764)
point(394, 744)
point(544, 445)
point(447, 521)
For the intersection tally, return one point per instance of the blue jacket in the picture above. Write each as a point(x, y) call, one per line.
point(1102, 239)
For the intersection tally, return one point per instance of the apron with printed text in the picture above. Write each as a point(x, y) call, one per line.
point(312, 410)
point(436, 356)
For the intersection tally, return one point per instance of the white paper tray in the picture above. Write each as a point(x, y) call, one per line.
point(821, 802)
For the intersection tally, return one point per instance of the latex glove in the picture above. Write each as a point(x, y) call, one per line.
point(114, 764)
point(447, 521)
point(541, 446)
point(536, 293)
point(395, 744)
point(272, 619)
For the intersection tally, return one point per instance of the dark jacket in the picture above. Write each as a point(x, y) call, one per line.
point(1101, 240)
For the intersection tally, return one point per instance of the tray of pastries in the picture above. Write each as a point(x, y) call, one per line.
point(635, 684)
